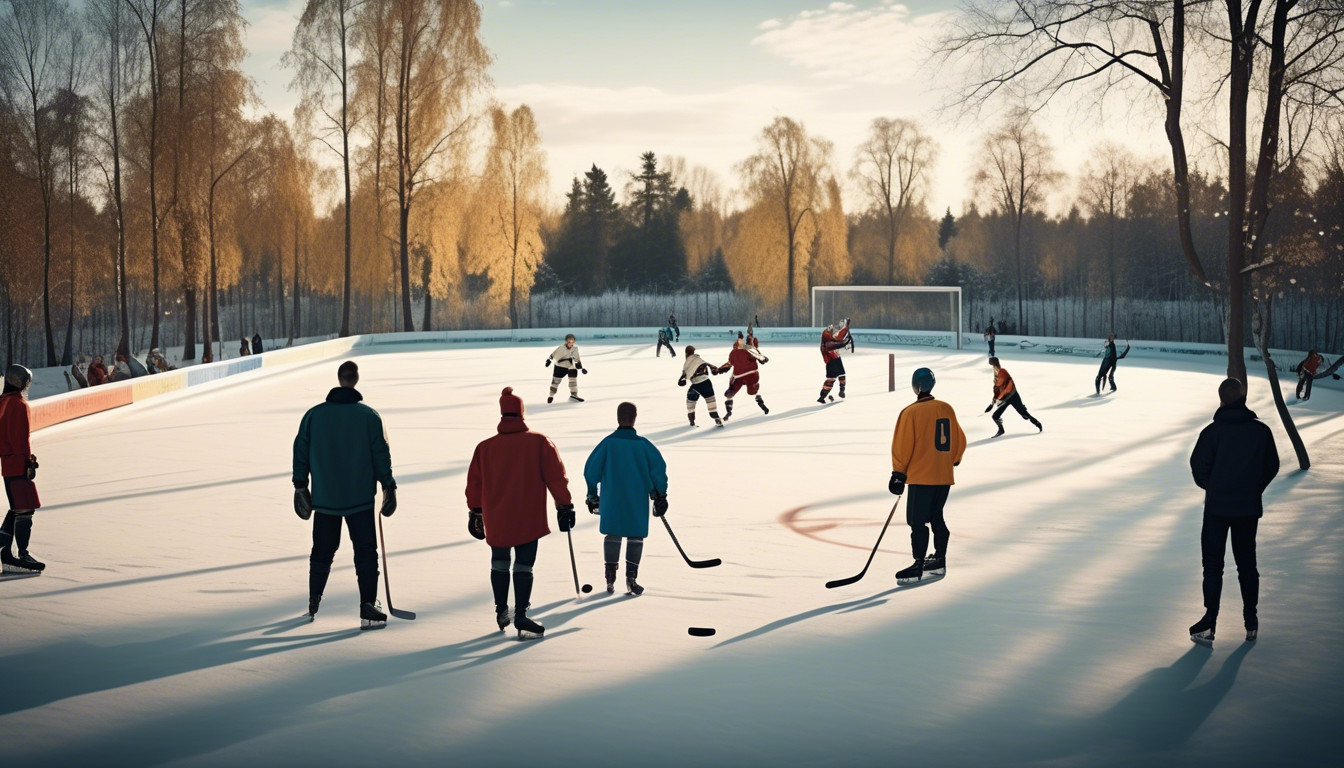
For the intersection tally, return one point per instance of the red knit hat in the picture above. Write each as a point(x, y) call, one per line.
point(510, 403)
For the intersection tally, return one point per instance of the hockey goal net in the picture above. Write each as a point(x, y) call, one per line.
point(913, 314)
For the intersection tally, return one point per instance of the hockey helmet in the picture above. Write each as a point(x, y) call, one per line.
point(922, 380)
point(18, 378)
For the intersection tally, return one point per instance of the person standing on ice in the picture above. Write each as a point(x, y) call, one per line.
point(696, 372)
point(1005, 394)
point(1306, 373)
point(833, 339)
point(743, 362)
point(18, 466)
point(342, 446)
point(927, 443)
point(1108, 361)
point(566, 362)
point(507, 483)
point(623, 473)
point(672, 323)
point(991, 333)
point(665, 340)
point(1234, 460)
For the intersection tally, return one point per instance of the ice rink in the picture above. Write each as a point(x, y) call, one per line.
point(167, 628)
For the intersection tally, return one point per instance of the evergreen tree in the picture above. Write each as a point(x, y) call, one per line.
point(947, 229)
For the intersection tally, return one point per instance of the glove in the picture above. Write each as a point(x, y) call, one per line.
point(303, 503)
point(764, 360)
point(546, 364)
point(32, 464)
point(897, 483)
point(585, 371)
point(659, 504)
point(389, 501)
point(564, 515)
point(989, 407)
point(476, 524)
point(592, 502)
point(681, 382)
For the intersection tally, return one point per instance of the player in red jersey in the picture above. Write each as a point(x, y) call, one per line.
point(744, 361)
point(833, 339)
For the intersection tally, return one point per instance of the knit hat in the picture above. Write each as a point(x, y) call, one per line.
point(510, 404)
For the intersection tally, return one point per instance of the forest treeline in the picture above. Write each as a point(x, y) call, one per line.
point(148, 200)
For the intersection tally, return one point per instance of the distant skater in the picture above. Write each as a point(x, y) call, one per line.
point(991, 333)
point(927, 443)
point(665, 340)
point(507, 483)
point(623, 473)
point(1108, 361)
point(565, 363)
point(695, 373)
point(1234, 461)
point(834, 339)
point(1006, 394)
point(1307, 373)
point(18, 466)
point(744, 362)
point(672, 323)
point(342, 446)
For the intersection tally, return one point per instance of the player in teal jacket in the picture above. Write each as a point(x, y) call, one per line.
point(628, 471)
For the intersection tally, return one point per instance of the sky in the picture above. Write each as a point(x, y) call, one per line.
point(610, 79)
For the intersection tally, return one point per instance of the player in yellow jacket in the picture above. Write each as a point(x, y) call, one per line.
point(927, 444)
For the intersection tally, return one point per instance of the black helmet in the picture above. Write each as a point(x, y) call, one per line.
point(17, 378)
point(922, 380)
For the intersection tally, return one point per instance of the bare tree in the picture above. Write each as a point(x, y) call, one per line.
point(1107, 180)
point(1015, 173)
point(33, 49)
point(320, 56)
point(149, 17)
point(515, 180)
point(70, 113)
point(892, 168)
point(787, 174)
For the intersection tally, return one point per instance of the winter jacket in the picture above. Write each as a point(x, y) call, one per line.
point(566, 358)
point(1108, 352)
point(343, 445)
point(1310, 364)
point(1233, 461)
point(927, 443)
point(256, 345)
point(831, 344)
point(625, 467)
point(742, 362)
point(509, 476)
point(15, 448)
point(695, 370)
point(1003, 385)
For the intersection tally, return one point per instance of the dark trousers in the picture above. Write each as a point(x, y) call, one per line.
point(1014, 400)
point(991, 346)
point(327, 539)
point(924, 510)
point(524, 556)
point(1213, 545)
point(1106, 373)
point(662, 344)
point(1304, 385)
point(18, 527)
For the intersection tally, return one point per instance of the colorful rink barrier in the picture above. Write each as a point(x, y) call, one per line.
point(66, 406)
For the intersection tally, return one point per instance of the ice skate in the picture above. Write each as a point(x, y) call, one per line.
point(691, 418)
point(912, 575)
point(632, 587)
point(935, 566)
point(1251, 635)
point(527, 628)
point(551, 399)
point(761, 403)
point(371, 616)
point(727, 410)
point(611, 578)
point(1037, 424)
point(996, 434)
point(576, 398)
point(503, 617)
point(313, 603)
point(1202, 631)
point(22, 564)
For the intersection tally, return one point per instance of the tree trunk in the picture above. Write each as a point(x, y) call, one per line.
point(1260, 321)
point(403, 223)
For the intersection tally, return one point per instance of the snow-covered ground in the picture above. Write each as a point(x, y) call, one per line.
point(166, 629)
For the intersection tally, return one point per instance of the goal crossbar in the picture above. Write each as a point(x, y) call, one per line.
point(953, 292)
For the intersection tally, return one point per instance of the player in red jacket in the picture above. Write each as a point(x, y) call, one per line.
point(1005, 394)
point(744, 361)
point(833, 339)
point(18, 465)
point(507, 483)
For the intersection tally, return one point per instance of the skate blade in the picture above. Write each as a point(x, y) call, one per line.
point(1202, 638)
point(907, 581)
point(1251, 635)
point(525, 635)
point(21, 569)
point(365, 624)
point(935, 573)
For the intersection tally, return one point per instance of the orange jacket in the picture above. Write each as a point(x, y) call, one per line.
point(928, 442)
point(1003, 384)
point(15, 448)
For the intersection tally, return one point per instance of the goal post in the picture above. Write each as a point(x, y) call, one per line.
point(926, 311)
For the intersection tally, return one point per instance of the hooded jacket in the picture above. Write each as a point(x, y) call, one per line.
point(508, 480)
point(342, 445)
point(627, 467)
point(1233, 461)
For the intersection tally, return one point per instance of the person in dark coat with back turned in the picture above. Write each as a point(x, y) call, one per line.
point(1233, 461)
point(507, 483)
point(256, 344)
point(343, 446)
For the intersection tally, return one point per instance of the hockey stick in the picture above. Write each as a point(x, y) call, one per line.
point(689, 561)
point(574, 567)
point(852, 579)
point(387, 586)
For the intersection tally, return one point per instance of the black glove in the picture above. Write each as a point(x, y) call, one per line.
point(989, 407)
point(897, 483)
point(32, 464)
point(389, 501)
point(547, 364)
point(659, 504)
point(593, 502)
point(564, 515)
point(681, 382)
point(303, 503)
point(476, 524)
point(585, 371)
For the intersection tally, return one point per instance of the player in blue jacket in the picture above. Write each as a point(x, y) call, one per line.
point(623, 473)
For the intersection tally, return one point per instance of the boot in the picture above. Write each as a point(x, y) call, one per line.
point(1000, 432)
point(503, 617)
point(1037, 424)
point(691, 418)
point(313, 602)
point(371, 616)
point(727, 409)
point(631, 586)
point(527, 628)
point(935, 565)
point(717, 421)
point(911, 575)
point(1202, 631)
point(611, 578)
point(761, 403)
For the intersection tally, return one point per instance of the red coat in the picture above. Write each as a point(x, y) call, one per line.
point(15, 448)
point(831, 343)
point(1003, 384)
point(97, 374)
point(509, 476)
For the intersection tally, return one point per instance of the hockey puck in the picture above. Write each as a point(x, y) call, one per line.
point(700, 631)
point(587, 588)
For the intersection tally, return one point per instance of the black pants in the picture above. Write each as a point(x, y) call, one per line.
point(1107, 372)
point(991, 346)
point(1213, 545)
point(924, 510)
point(1014, 400)
point(327, 539)
point(662, 344)
point(1304, 385)
point(524, 557)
